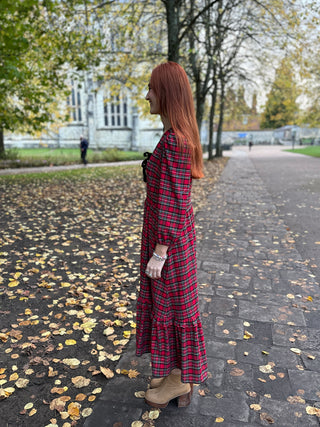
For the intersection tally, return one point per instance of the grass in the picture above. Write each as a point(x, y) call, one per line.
point(27, 157)
point(313, 151)
point(77, 175)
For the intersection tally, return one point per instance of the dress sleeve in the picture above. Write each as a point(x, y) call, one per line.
point(174, 191)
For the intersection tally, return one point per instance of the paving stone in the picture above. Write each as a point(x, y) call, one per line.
point(261, 331)
point(268, 313)
point(282, 357)
point(215, 266)
point(250, 353)
point(107, 414)
point(262, 285)
point(302, 338)
point(311, 364)
point(285, 414)
point(238, 377)
point(227, 327)
point(232, 280)
point(232, 406)
point(308, 381)
point(206, 289)
point(232, 293)
point(276, 383)
point(221, 350)
point(312, 319)
point(225, 306)
point(216, 368)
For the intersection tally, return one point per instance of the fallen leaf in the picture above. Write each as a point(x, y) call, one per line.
point(80, 381)
point(154, 414)
point(86, 412)
point(255, 407)
point(266, 417)
point(236, 372)
point(107, 372)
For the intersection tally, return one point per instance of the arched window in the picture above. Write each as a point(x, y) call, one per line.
point(116, 111)
point(74, 102)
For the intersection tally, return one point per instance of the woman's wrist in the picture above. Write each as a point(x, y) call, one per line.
point(161, 250)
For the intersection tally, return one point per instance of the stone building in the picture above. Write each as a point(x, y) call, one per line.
point(108, 122)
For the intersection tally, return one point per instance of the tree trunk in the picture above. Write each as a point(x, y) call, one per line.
point(219, 131)
point(211, 121)
point(1, 143)
point(172, 12)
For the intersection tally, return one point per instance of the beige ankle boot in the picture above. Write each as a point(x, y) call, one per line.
point(156, 382)
point(170, 388)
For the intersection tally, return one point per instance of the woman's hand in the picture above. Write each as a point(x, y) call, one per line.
point(154, 266)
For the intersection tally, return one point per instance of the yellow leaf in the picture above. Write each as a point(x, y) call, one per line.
point(59, 390)
point(140, 394)
point(13, 283)
point(313, 411)
point(107, 372)
point(13, 377)
point(247, 335)
point(108, 331)
point(219, 420)
point(97, 390)
point(133, 373)
point(3, 337)
point(295, 350)
point(91, 398)
point(28, 406)
point(80, 397)
point(86, 412)
point(309, 298)
point(255, 407)
point(74, 410)
point(32, 412)
point(154, 414)
point(70, 342)
point(22, 382)
point(137, 424)
point(73, 363)
point(266, 369)
point(65, 284)
point(126, 334)
point(80, 381)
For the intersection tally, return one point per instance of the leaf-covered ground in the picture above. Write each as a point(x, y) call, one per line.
point(69, 270)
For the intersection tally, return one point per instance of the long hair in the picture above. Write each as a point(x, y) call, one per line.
point(171, 86)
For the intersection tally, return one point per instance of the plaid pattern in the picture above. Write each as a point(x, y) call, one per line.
point(168, 321)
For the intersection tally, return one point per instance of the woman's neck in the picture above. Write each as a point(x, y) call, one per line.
point(166, 123)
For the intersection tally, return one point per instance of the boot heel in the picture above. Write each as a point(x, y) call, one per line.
point(185, 399)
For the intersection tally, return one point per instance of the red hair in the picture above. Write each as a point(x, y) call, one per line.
point(171, 86)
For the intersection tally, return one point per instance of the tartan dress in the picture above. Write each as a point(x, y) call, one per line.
point(168, 320)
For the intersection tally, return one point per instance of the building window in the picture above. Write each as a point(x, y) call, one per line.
point(116, 111)
point(74, 102)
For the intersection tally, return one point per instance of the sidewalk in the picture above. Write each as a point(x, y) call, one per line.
point(261, 319)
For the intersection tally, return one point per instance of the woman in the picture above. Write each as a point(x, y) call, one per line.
point(168, 321)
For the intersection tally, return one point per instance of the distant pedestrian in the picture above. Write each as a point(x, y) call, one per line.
point(168, 319)
point(84, 144)
point(250, 144)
